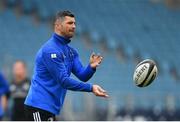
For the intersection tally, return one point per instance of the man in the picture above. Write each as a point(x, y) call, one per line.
point(54, 63)
point(4, 91)
point(19, 89)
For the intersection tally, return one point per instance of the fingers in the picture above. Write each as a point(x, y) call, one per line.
point(95, 59)
point(99, 56)
point(101, 92)
point(100, 59)
point(93, 54)
point(96, 56)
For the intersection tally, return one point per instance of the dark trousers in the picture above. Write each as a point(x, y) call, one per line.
point(36, 114)
point(17, 111)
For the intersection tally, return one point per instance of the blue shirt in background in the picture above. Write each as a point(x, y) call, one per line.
point(4, 88)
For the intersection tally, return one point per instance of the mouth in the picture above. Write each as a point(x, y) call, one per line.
point(72, 31)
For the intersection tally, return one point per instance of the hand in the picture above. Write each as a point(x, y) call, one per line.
point(95, 60)
point(98, 91)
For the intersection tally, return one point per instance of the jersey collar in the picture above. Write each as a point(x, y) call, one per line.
point(61, 39)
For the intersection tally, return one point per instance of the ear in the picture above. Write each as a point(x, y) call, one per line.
point(58, 25)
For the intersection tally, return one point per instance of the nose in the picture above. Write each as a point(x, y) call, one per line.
point(74, 26)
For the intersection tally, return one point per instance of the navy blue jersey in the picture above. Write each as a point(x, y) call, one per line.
point(53, 66)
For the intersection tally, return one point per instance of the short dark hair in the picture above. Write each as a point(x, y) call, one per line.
point(62, 14)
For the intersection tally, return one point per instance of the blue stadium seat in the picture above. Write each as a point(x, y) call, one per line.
point(150, 29)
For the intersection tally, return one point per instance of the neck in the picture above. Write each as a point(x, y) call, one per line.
point(62, 39)
point(19, 79)
point(60, 34)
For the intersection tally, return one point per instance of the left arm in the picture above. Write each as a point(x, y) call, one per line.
point(83, 73)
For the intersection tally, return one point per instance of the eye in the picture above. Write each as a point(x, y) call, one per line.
point(70, 23)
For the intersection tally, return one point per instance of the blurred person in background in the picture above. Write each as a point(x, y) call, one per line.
point(4, 91)
point(54, 63)
point(19, 88)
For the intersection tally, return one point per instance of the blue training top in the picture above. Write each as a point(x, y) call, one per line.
point(4, 88)
point(53, 66)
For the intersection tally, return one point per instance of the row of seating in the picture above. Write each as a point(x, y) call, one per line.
point(149, 29)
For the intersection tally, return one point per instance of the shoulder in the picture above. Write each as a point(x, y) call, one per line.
point(50, 48)
point(13, 87)
point(51, 52)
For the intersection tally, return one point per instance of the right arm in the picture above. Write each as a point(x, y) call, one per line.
point(57, 69)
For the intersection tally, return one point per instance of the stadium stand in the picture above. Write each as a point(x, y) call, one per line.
point(125, 32)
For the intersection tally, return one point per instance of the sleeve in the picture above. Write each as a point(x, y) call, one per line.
point(56, 67)
point(83, 73)
point(4, 86)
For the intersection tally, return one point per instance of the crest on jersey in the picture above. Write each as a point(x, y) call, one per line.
point(53, 56)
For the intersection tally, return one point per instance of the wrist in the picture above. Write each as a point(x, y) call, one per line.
point(92, 66)
point(92, 88)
